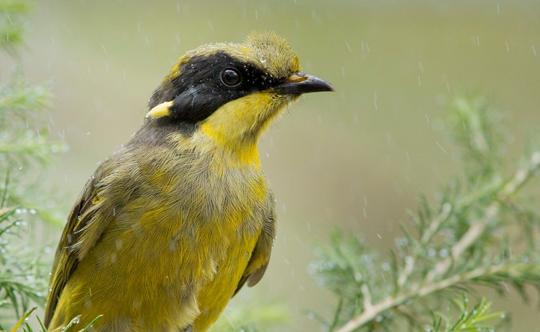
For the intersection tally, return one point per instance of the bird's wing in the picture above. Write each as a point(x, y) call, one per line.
point(86, 223)
point(261, 253)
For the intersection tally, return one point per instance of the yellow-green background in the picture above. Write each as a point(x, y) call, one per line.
point(355, 159)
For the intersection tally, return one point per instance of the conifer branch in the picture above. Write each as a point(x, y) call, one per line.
point(428, 288)
point(470, 240)
point(478, 227)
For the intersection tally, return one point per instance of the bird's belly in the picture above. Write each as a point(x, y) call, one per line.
point(162, 273)
point(213, 298)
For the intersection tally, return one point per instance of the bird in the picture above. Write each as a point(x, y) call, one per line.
point(171, 226)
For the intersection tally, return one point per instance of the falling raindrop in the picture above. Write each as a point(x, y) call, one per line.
point(348, 46)
point(476, 41)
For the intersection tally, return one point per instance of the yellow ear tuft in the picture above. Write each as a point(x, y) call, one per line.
point(274, 53)
point(160, 111)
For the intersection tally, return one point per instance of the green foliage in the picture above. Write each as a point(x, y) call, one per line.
point(20, 143)
point(10, 25)
point(251, 319)
point(478, 319)
point(22, 277)
point(476, 130)
point(479, 232)
point(72, 326)
point(24, 147)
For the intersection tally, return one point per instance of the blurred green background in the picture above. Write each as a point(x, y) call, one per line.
point(355, 159)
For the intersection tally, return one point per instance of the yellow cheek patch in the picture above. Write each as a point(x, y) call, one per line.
point(237, 125)
point(237, 118)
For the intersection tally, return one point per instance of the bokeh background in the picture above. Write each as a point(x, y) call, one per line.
point(356, 159)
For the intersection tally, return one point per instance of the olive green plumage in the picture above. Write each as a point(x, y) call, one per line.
point(173, 224)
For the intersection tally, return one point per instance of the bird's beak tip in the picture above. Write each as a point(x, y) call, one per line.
point(300, 83)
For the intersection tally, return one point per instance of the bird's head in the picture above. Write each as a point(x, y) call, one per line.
point(231, 91)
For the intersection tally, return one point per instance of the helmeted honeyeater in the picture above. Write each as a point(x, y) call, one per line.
point(173, 224)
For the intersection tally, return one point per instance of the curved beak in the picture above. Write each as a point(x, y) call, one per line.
point(300, 83)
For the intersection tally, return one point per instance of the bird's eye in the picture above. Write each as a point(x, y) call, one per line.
point(230, 77)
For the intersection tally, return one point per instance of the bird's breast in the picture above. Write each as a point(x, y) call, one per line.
point(177, 249)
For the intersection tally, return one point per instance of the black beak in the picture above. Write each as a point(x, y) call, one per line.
point(300, 83)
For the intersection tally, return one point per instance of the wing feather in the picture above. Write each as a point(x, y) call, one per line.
point(85, 225)
point(260, 256)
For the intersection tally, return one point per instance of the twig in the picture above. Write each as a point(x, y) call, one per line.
point(477, 228)
point(420, 291)
point(410, 261)
point(430, 284)
point(447, 210)
point(366, 294)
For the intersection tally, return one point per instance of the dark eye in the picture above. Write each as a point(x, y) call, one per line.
point(230, 77)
